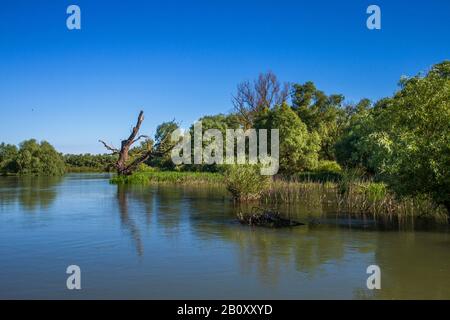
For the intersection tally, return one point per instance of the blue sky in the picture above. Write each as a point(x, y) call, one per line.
point(183, 59)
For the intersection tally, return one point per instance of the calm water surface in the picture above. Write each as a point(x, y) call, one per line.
point(180, 242)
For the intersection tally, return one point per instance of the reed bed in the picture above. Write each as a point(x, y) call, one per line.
point(347, 196)
point(362, 199)
point(356, 198)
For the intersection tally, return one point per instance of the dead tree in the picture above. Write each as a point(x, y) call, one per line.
point(126, 167)
point(252, 98)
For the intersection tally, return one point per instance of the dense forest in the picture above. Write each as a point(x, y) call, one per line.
point(402, 140)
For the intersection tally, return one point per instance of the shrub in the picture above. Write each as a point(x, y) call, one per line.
point(142, 168)
point(245, 182)
point(329, 166)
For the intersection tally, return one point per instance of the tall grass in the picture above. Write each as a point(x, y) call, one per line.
point(174, 177)
point(291, 191)
point(367, 197)
point(352, 196)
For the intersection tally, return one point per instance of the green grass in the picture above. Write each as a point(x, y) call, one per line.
point(141, 178)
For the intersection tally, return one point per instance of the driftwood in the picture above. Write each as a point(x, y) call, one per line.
point(266, 218)
point(126, 167)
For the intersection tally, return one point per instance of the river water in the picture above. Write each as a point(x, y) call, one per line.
point(173, 242)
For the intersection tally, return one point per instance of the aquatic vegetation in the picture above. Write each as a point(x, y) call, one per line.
point(355, 197)
point(137, 178)
point(289, 191)
point(245, 183)
point(352, 194)
point(375, 191)
point(149, 176)
point(367, 197)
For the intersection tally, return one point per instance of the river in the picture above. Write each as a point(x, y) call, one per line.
point(175, 242)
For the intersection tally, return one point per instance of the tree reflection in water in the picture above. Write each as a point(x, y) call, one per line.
point(31, 193)
point(269, 251)
point(127, 221)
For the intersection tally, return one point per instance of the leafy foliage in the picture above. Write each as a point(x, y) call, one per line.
point(162, 138)
point(8, 159)
point(414, 134)
point(245, 182)
point(90, 162)
point(405, 140)
point(32, 158)
point(321, 113)
point(298, 147)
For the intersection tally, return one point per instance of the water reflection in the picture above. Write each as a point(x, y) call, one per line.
point(270, 252)
point(326, 240)
point(415, 263)
point(30, 193)
point(127, 221)
point(169, 207)
point(213, 217)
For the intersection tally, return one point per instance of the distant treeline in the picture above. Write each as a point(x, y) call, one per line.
point(31, 158)
point(40, 158)
point(89, 162)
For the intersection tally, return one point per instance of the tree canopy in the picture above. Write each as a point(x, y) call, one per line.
point(298, 147)
point(31, 158)
point(405, 139)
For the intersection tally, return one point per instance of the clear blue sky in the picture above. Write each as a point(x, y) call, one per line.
point(183, 59)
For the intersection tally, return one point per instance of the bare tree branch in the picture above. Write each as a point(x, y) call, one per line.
point(112, 149)
point(123, 166)
point(252, 98)
point(140, 137)
point(135, 129)
point(157, 151)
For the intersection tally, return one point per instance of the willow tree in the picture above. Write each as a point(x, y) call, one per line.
point(414, 134)
point(127, 164)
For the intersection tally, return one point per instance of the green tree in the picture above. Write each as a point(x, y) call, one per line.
point(352, 149)
point(39, 159)
point(221, 122)
point(8, 158)
point(413, 135)
point(162, 135)
point(298, 147)
point(321, 113)
point(90, 162)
